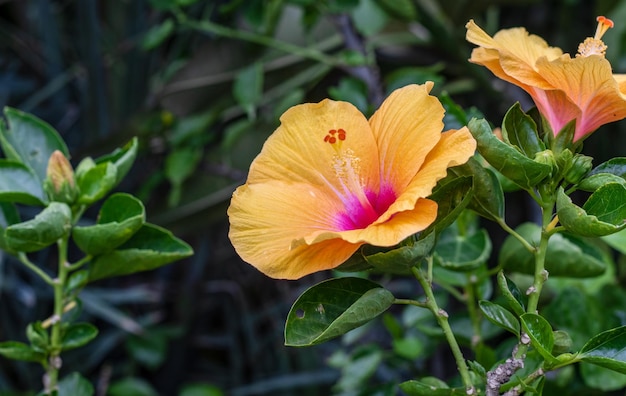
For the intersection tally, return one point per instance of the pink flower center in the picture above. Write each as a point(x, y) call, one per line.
point(359, 214)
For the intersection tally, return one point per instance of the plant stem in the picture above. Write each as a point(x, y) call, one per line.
point(517, 236)
point(541, 275)
point(54, 359)
point(24, 259)
point(442, 319)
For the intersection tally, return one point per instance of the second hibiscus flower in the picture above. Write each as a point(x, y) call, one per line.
point(563, 88)
point(329, 180)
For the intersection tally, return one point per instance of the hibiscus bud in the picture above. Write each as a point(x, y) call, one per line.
point(546, 157)
point(60, 183)
point(581, 165)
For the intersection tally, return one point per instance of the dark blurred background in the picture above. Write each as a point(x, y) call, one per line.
point(202, 84)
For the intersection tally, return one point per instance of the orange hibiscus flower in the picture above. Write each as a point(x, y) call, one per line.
point(563, 88)
point(329, 180)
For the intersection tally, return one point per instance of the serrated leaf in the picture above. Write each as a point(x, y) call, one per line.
point(20, 351)
point(120, 217)
point(507, 160)
point(47, 227)
point(520, 130)
point(607, 349)
point(19, 184)
point(149, 248)
point(541, 336)
point(500, 316)
point(567, 255)
point(77, 335)
point(334, 307)
point(29, 140)
point(604, 213)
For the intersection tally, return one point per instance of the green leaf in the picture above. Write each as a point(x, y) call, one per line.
point(77, 280)
point(20, 351)
point(511, 293)
point(131, 386)
point(541, 336)
point(520, 130)
point(96, 182)
point(601, 378)
point(462, 252)
point(607, 349)
point(47, 227)
point(617, 241)
point(604, 212)
point(593, 182)
point(332, 308)
point(157, 34)
point(401, 259)
point(452, 197)
point(8, 215)
point(567, 255)
point(506, 159)
point(368, 18)
point(19, 184)
point(38, 337)
point(248, 87)
point(149, 248)
point(123, 159)
point(30, 141)
point(75, 385)
point(500, 316)
point(430, 388)
point(120, 217)
point(77, 335)
point(403, 9)
point(488, 198)
point(614, 166)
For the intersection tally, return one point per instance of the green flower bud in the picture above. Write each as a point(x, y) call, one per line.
point(546, 157)
point(564, 160)
point(60, 183)
point(581, 165)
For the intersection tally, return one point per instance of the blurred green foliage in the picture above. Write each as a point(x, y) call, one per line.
point(202, 84)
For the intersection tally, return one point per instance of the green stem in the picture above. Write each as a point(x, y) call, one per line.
point(79, 263)
point(541, 275)
point(405, 301)
point(54, 360)
point(442, 318)
point(470, 291)
point(46, 278)
point(517, 236)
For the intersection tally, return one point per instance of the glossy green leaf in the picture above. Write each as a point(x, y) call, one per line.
point(541, 336)
point(601, 378)
point(20, 351)
point(96, 182)
point(488, 198)
point(75, 385)
point(452, 197)
point(77, 280)
point(463, 252)
point(123, 159)
point(614, 166)
point(506, 159)
point(563, 139)
point(511, 293)
point(77, 334)
point(562, 343)
point(430, 388)
point(593, 182)
point(38, 337)
point(19, 184)
point(120, 217)
point(334, 307)
point(604, 212)
point(500, 316)
point(607, 349)
point(149, 248)
point(47, 227)
point(29, 140)
point(567, 255)
point(520, 130)
point(401, 259)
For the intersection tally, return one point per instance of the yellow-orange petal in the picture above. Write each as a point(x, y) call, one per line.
point(326, 144)
point(266, 220)
point(406, 126)
point(454, 148)
point(589, 84)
